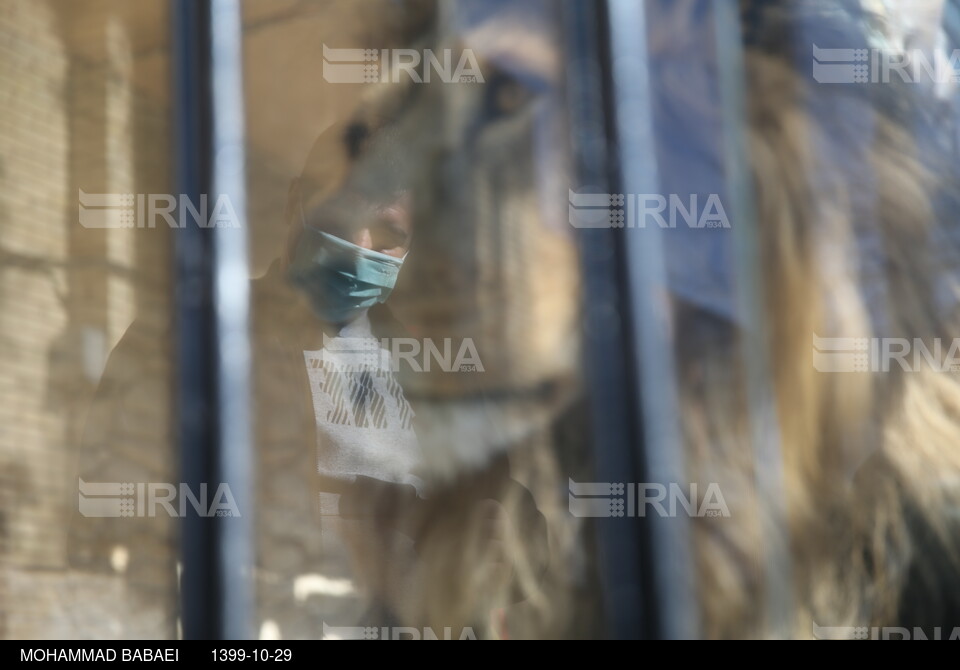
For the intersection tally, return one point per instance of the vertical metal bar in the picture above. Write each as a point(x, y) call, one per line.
point(612, 400)
point(212, 302)
point(193, 386)
point(764, 425)
point(232, 300)
point(670, 549)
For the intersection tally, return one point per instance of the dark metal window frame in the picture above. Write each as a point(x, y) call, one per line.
point(212, 385)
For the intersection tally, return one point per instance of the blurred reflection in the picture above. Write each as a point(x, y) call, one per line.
point(855, 198)
point(416, 317)
point(416, 410)
point(414, 347)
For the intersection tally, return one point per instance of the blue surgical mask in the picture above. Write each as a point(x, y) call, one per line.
point(342, 280)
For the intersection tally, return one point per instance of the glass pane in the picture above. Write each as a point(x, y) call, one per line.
point(815, 338)
point(729, 410)
point(85, 321)
point(416, 311)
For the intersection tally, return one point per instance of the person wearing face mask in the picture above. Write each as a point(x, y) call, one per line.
point(350, 232)
point(343, 278)
point(351, 217)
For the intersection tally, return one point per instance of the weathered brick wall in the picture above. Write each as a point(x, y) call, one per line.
point(73, 117)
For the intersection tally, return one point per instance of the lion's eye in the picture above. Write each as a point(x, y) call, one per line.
point(506, 95)
point(354, 137)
